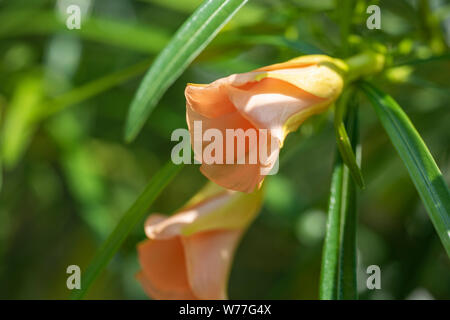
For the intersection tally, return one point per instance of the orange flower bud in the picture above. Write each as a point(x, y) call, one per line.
point(277, 98)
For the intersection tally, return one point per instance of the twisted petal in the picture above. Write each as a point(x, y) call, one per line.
point(189, 255)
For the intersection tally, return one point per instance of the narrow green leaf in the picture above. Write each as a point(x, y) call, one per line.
point(347, 285)
point(132, 217)
point(300, 46)
point(330, 256)
point(252, 13)
point(342, 139)
point(443, 57)
point(1, 156)
point(92, 89)
point(418, 160)
point(186, 44)
point(338, 274)
point(18, 125)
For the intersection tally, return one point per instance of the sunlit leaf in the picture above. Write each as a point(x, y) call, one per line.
point(250, 14)
point(142, 38)
point(338, 274)
point(19, 119)
point(417, 158)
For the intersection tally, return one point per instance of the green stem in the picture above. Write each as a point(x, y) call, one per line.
point(364, 64)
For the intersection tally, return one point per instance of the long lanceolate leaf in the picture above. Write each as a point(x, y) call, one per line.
point(93, 88)
point(347, 286)
point(133, 216)
point(187, 43)
point(330, 257)
point(342, 139)
point(417, 158)
point(338, 274)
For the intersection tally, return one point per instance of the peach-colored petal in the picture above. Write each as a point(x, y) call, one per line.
point(193, 267)
point(164, 274)
point(209, 255)
point(211, 100)
point(320, 80)
point(168, 227)
point(269, 103)
point(206, 193)
point(232, 120)
point(224, 209)
point(244, 177)
point(304, 61)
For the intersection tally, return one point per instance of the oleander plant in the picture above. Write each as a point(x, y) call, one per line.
point(225, 149)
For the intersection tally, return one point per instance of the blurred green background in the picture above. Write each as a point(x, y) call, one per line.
point(68, 176)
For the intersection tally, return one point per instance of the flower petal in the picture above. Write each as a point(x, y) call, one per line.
point(164, 274)
point(209, 256)
point(211, 100)
point(235, 213)
point(189, 254)
point(304, 61)
point(269, 103)
point(225, 210)
point(319, 75)
point(241, 177)
point(319, 80)
point(231, 120)
point(278, 97)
